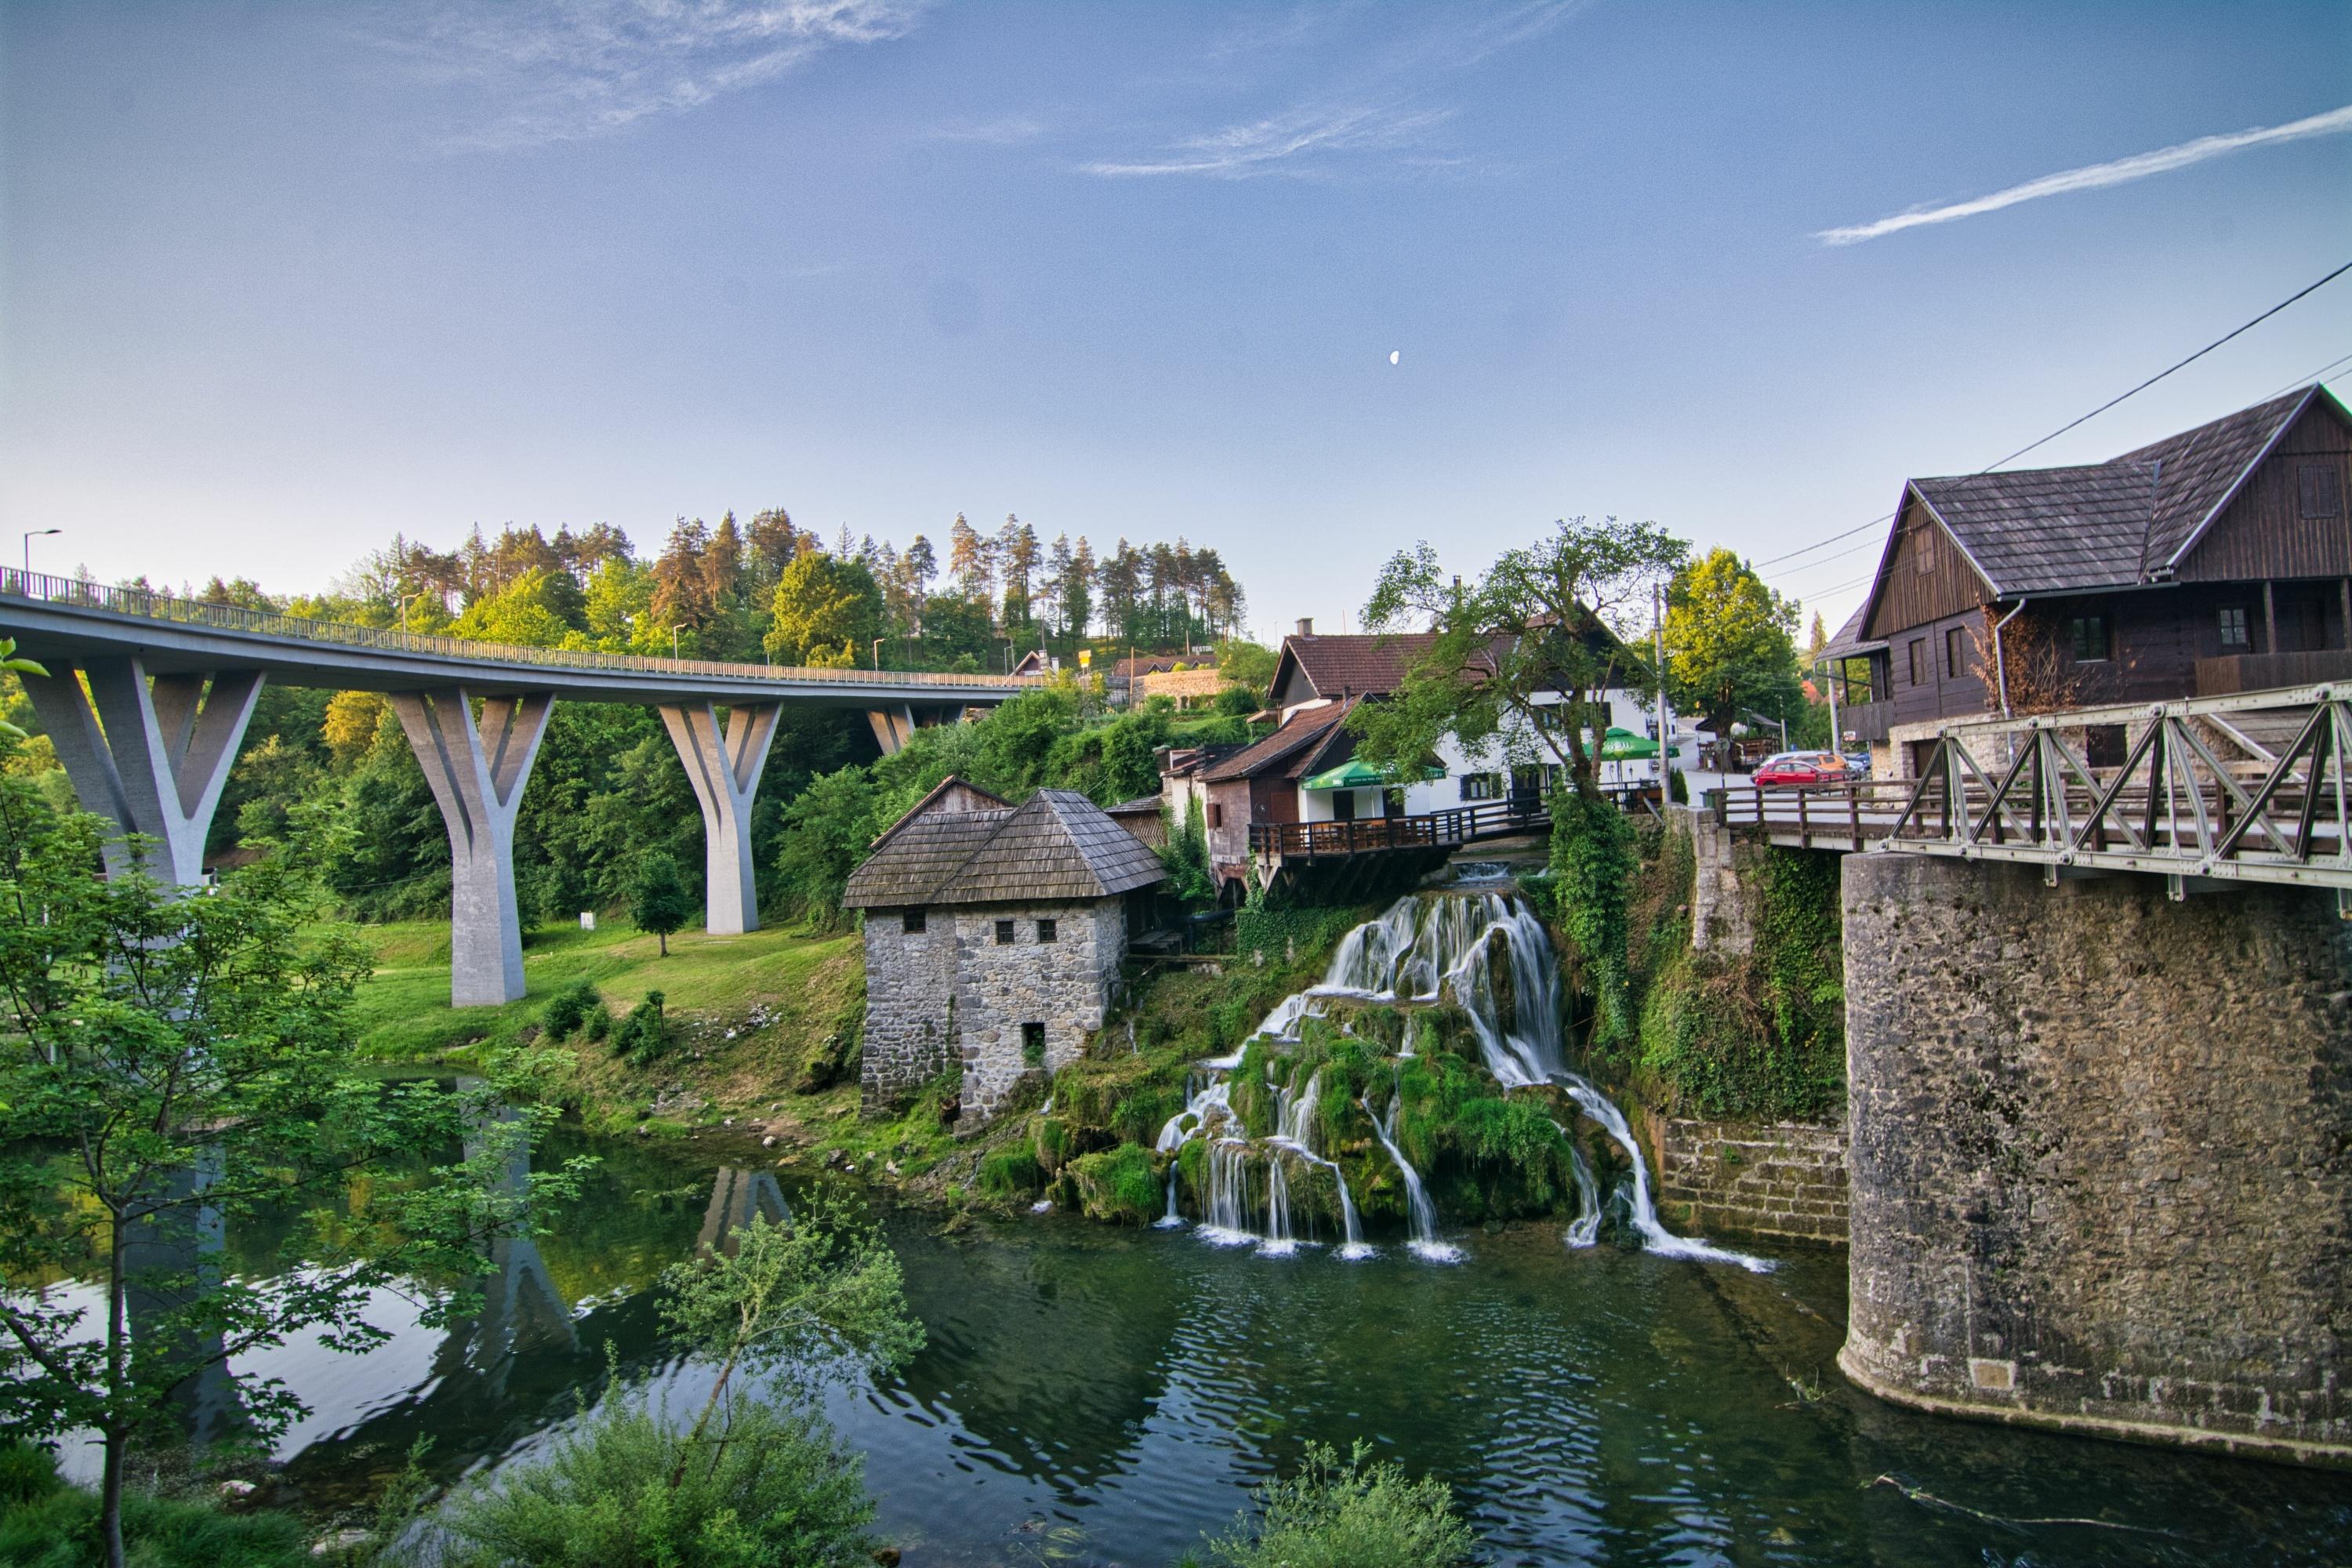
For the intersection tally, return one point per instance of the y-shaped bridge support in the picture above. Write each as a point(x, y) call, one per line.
point(478, 773)
point(724, 768)
point(151, 755)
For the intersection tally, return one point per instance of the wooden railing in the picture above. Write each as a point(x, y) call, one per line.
point(2247, 788)
point(1371, 835)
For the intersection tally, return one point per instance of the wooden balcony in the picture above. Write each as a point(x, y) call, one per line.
point(1372, 835)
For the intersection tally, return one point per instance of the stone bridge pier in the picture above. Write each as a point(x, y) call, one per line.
point(724, 768)
point(2101, 1154)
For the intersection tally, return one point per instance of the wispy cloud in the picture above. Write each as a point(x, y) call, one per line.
point(2095, 176)
point(1389, 106)
point(1010, 131)
point(564, 70)
point(1271, 145)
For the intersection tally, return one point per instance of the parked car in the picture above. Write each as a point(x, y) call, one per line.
point(1788, 769)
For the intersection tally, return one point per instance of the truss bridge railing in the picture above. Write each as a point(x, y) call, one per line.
point(2244, 788)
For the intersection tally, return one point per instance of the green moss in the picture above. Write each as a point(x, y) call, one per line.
point(1010, 1172)
point(1119, 1185)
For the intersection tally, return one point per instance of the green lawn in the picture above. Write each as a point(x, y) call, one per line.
point(403, 1012)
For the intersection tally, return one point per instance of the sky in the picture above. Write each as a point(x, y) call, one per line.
point(279, 281)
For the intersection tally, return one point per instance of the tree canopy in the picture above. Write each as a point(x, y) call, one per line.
point(1730, 643)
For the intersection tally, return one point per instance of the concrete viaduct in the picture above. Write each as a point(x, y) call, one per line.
point(148, 697)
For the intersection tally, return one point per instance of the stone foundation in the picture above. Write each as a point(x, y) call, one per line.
point(1718, 913)
point(1782, 1179)
point(909, 1007)
point(2101, 1154)
point(1001, 988)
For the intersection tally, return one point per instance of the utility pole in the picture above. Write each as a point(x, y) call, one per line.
point(1665, 717)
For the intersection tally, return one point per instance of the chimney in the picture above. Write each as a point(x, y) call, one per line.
point(1306, 625)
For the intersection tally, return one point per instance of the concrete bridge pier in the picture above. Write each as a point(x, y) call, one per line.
point(477, 772)
point(724, 768)
point(150, 754)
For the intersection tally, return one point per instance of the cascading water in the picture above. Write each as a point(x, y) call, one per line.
point(1424, 1242)
point(1296, 1132)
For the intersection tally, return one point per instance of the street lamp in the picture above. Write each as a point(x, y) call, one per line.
point(30, 536)
point(407, 600)
point(673, 637)
point(877, 655)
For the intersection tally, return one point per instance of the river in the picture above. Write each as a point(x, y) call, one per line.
point(1099, 1396)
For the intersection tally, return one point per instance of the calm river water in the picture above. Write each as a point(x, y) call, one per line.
point(1094, 1396)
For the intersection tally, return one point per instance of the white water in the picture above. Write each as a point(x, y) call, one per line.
point(1424, 1242)
point(1297, 1133)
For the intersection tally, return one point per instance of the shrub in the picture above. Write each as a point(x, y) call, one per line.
point(1351, 1515)
point(599, 1022)
point(645, 1034)
point(568, 1009)
point(773, 1486)
point(43, 1524)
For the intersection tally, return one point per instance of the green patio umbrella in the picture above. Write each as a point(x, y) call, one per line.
point(1357, 775)
point(1624, 746)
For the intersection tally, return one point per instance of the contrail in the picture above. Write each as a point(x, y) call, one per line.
point(2094, 176)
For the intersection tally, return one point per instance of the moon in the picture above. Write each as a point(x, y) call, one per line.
point(1395, 354)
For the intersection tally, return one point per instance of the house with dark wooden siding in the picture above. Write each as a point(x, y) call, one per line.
point(2215, 561)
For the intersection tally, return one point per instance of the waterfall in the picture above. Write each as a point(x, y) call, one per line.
point(1296, 1132)
point(1227, 1221)
point(1424, 1243)
point(1585, 1229)
point(1655, 1236)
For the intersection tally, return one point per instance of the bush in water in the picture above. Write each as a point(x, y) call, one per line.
point(1351, 1515)
point(777, 1487)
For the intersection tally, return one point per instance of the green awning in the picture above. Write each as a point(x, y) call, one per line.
point(1357, 775)
point(1625, 746)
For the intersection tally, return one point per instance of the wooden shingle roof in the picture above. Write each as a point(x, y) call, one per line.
point(1057, 845)
point(1312, 725)
point(2105, 525)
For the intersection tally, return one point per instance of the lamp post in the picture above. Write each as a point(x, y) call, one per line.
point(407, 600)
point(673, 637)
point(31, 535)
point(877, 655)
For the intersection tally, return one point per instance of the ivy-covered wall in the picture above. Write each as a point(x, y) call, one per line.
point(1754, 1037)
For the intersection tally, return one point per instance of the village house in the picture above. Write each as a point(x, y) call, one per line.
point(2215, 561)
point(1306, 771)
point(994, 936)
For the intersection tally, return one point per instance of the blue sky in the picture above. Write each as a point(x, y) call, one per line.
point(278, 280)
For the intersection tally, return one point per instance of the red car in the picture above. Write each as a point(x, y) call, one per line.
point(1796, 769)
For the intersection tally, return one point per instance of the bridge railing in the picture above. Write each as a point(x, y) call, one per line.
point(1828, 815)
point(1370, 835)
point(146, 603)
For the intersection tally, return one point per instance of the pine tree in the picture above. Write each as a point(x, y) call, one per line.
point(969, 562)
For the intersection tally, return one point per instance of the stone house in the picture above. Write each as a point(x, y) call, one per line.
point(994, 936)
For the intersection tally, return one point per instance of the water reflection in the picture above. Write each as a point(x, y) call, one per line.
point(171, 1261)
point(1110, 1395)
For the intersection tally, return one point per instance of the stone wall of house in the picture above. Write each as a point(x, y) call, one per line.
point(1779, 1179)
point(910, 1006)
point(1065, 985)
point(2101, 1154)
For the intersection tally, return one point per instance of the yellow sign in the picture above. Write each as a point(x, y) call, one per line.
point(1086, 658)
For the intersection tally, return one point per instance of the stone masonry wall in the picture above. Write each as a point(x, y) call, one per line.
point(1064, 985)
point(2101, 1154)
point(910, 1015)
point(1718, 913)
point(1784, 1179)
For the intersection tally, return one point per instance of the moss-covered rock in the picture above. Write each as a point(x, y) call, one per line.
point(1010, 1172)
point(1120, 1186)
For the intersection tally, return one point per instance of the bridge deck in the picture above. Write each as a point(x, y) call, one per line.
point(69, 620)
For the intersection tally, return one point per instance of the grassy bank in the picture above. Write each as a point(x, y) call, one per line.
point(747, 1015)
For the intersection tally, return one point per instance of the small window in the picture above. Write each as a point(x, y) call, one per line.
point(1004, 933)
point(1216, 815)
point(1032, 1044)
point(912, 920)
point(2088, 634)
point(1049, 930)
point(2321, 488)
point(1918, 654)
point(1927, 550)
point(1956, 653)
point(2233, 626)
point(1482, 786)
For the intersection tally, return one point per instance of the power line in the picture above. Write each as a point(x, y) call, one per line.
point(2160, 375)
point(2102, 408)
point(2319, 374)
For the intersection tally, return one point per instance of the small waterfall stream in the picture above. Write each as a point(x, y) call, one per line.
point(1420, 950)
